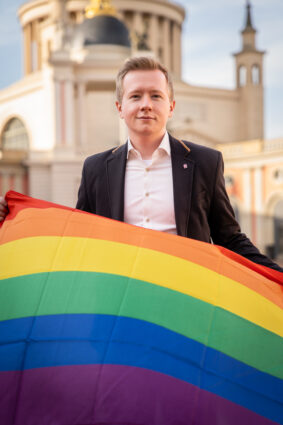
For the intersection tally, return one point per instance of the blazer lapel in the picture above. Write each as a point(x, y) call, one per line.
point(183, 172)
point(116, 167)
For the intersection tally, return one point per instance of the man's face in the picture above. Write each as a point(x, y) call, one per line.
point(145, 105)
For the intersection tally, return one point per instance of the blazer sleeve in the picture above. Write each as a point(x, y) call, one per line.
point(225, 230)
point(83, 200)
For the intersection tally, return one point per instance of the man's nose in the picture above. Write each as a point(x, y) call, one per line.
point(146, 102)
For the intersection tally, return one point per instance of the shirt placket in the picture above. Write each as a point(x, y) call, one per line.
point(146, 196)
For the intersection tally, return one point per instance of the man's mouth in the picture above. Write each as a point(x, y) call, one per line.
point(145, 118)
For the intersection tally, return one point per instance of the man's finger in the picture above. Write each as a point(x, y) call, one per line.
point(3, 208)
point(3, 202)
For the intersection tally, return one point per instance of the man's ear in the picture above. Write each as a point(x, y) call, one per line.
point(119, 108)
point(171, 108)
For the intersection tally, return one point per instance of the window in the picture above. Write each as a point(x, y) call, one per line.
point(278, 175)
point(255, 75)
point(242, 76)
point(14, 137)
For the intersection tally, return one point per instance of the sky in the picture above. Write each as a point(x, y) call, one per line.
point(211, 34)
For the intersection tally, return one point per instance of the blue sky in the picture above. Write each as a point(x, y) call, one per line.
point(211, 34)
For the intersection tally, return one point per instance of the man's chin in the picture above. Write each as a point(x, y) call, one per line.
point(147, 125)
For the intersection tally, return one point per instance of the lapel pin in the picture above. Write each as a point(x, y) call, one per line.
point(185, 165)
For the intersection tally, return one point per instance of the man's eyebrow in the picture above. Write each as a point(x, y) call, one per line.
point(134, 91)
point(140, 89)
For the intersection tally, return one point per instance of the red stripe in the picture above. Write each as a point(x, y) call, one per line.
point(17, 202)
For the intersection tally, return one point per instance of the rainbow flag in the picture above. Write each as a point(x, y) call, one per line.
point(106, 323)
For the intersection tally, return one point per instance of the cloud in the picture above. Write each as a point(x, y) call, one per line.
point(274, 65)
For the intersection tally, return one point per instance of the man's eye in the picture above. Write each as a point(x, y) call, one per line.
point(135, 96)
point(156, 96)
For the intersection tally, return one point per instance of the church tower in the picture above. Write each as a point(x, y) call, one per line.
point(249, 81)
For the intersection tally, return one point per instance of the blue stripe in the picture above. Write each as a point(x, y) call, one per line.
point(59, 340)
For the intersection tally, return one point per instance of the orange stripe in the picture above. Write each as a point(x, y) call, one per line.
point(59, 222)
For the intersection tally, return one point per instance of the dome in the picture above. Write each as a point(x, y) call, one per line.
point(101, 29)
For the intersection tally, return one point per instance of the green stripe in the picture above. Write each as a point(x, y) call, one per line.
point(99, 293)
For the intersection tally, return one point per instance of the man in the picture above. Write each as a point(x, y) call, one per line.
point(156, 181)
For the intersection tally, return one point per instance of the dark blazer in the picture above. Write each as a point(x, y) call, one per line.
point(202, 207)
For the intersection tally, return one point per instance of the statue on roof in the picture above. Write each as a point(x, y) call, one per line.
point(99, 7)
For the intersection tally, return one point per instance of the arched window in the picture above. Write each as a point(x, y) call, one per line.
point(278, 175)
point(255, 75)
point(242, 76)
point(14, 137)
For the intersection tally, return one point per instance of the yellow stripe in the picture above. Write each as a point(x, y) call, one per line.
point(43, 254)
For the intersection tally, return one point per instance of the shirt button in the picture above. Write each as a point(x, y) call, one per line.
point(147, 169)
point(147, 194)
point(147, 220)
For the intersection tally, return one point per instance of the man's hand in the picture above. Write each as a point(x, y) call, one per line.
point(3, 208)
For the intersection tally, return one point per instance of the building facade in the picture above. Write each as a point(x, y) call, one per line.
point(63, 109)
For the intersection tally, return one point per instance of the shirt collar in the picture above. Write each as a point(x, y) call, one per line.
point(164, 145)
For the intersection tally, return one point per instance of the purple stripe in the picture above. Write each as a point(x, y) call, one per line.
point(112, 395)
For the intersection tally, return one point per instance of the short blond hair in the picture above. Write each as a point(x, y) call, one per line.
point(142, 63)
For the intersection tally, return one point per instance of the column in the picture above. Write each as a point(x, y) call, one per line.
point(258, 208)
point(176, 41)
point(35, 46)
point(39, 46)
point(27, 48)
point(64, 114)
point(166, 43)
point(69, 114)
point(247, 203)
point(58, 120)
point(180, 49)
point(19, 181)
point(128, 20)
point(82, 133)
point(258, 189)
point(153, 34)
point(138, 25)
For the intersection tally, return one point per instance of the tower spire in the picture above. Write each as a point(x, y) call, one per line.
point(249, 32)
point(249, 25)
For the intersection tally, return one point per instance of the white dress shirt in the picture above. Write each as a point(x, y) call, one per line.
point(149, 198)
